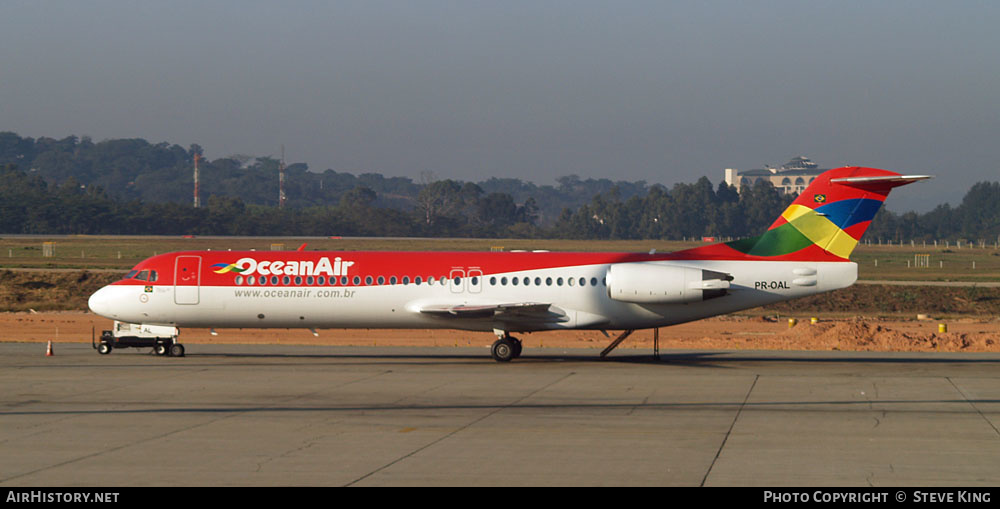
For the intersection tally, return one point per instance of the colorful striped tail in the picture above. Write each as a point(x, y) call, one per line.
point(824, 223)
point(831, 214)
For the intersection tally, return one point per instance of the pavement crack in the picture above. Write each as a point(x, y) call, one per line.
point(175, 431)
point(305, 445)
point(878, 419)
point(459, 430)
point(731, 426)
point(973, 405)
point(640, 405)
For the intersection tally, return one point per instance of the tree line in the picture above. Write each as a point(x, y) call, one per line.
point(134, 187)
point(29, 204)
point(135, 169)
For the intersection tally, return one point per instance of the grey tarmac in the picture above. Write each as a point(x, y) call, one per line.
point(354, 416)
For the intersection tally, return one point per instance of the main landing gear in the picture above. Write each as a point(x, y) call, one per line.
point(506, 348)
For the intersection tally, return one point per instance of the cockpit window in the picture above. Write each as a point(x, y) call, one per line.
point(145, 275)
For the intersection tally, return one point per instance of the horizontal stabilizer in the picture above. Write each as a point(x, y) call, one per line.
point(883, 182)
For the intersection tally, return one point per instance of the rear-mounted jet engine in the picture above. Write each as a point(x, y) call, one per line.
point(648, 283)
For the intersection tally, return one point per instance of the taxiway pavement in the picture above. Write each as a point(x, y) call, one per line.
point(352, 416)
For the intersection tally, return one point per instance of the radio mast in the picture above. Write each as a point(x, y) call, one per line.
point(197, 199)
point(281, 179)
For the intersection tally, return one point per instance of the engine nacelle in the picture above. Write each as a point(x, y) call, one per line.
point(647, 283)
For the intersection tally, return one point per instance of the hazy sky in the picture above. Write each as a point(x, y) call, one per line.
point(663, 91)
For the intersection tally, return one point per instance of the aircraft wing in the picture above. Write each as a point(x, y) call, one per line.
point(507, 312)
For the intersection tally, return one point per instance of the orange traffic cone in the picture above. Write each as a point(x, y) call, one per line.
point(48, 351)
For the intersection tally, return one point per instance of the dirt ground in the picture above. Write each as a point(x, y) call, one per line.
point(719, 333)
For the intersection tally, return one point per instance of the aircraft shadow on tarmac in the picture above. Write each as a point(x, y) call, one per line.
point(709, 359)
point(865, 406)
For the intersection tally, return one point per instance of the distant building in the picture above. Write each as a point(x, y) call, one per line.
point(792, 177)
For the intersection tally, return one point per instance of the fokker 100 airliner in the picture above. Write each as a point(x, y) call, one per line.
point(806, 251)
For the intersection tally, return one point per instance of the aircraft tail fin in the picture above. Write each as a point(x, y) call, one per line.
point(826, 221)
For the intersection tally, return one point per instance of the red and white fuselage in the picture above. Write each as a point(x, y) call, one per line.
point(305, 289)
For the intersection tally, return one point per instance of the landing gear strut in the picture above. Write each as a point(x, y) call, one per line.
point(614, 344)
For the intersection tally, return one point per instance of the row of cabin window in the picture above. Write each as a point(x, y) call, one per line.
point(548, 281)
point(344, 280)
point(356, 281)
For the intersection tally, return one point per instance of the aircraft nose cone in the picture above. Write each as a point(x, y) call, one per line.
point(99, 303)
